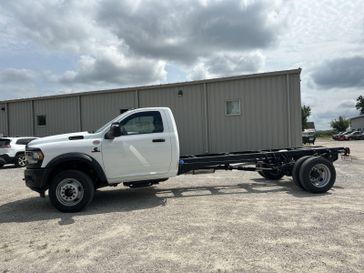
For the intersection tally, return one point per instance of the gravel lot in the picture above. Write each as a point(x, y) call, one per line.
point(222, 222)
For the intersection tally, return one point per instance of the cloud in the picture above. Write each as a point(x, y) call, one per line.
point(340, 73)
point(70, 27)
point(17, 83)
point(183, 31)
point(131, 42)
point(113, 67)
point(12, 75)
point(227, 65)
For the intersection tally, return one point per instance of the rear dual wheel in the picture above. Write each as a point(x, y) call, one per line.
point(314, 174)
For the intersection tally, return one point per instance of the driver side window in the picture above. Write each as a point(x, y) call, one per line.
point(142, 123)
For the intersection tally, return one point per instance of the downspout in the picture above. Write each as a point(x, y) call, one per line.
point(136, 103)
point(79, 113)
point(33, 117)
point(206, 118)
point(7, 119)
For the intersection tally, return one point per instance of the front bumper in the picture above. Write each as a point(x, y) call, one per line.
point(7, 159)
point(36, 179)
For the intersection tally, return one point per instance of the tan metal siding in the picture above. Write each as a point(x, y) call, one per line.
point(358, 123)
point(263, 122)
point(3, 120)
point(20, 118)
point(270, 111)
point(187, 110)
point(61, 116)
point(96, 110)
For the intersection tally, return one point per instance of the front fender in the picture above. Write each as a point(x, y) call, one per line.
point(81, 157)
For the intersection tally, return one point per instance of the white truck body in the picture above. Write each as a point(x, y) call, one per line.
point(141, 148)
point(130, 157)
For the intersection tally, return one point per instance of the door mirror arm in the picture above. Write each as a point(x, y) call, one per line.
point(115, 131)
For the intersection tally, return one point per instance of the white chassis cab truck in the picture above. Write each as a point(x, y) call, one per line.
point(140, 148)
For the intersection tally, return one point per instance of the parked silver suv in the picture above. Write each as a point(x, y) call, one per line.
point(12, 150)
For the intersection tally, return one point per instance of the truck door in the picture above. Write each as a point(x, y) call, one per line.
point(143, 151)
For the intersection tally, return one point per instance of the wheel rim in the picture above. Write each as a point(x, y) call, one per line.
point(69, 192)
point(320, 175)
point(22, 161)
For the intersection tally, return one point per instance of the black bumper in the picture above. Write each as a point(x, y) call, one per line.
point(7, 159)
point(36, 179)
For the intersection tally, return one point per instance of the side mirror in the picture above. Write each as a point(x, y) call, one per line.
point(115, 131)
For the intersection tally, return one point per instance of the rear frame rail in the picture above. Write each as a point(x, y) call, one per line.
point(282, 160)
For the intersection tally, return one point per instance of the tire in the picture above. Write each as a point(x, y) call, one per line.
point(317, 175)
point(296, 171)
point(71, 191)
point(271, 175)
point(20, 160)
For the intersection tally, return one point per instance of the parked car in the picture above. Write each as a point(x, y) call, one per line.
point(336, 136)
point(342, 136)
point(351, 135)
point(12, 150)
point(308, 137)
point(358, 136)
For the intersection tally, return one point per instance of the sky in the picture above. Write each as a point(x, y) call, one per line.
point(53, 47)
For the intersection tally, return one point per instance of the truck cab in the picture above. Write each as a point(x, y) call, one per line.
point(139, 146)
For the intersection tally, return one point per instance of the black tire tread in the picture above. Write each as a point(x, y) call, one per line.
point(296, 171)
point(305, 172)
point(17, 159)
point(89, 190)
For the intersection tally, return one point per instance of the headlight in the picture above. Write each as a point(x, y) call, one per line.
point(34, 156)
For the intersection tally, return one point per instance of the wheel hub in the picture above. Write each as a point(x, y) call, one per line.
point(320, 175)
point(22, 161)
point(69, 192)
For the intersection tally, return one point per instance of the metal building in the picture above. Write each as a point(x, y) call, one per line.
point(357, 123)
point(258, 111)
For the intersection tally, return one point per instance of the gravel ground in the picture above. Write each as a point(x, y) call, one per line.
point(222, 222)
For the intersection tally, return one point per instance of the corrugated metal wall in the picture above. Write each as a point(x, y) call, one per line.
point(270, 112)
point(262, 118)
point(98, 109)
point(357, 123)
point(62, 115)
point(187, 111)
point(20, 119)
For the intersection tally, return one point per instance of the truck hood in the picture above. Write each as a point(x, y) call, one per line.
point(59, 138)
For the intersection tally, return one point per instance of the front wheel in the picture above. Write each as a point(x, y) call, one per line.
point(20, 160)
point(71, 191)
point(317, 174)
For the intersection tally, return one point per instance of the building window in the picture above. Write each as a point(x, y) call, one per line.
point(122, 111)
point(41, 120)
point(232, 107)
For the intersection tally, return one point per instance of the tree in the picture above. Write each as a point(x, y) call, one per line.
point(306, 112)
point(340, 125)
point(360, 104)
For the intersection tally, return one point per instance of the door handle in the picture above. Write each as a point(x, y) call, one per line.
point(159, 140)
